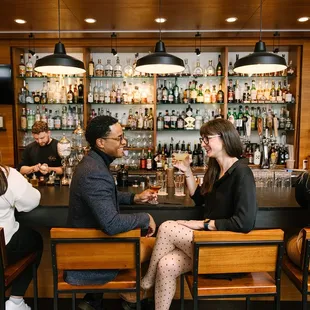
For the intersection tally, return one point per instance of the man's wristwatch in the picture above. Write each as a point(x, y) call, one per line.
point(206, 224)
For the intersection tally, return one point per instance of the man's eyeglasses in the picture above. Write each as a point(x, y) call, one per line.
point(206, 139)
point(119, 138)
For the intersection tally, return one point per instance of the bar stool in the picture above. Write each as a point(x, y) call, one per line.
point(229, 265)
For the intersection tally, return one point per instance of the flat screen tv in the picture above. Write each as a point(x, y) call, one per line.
point(6, 85)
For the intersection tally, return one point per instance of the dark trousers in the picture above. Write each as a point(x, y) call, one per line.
point(22, 243)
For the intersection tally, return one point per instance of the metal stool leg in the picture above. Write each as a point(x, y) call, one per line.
point(73, 300)
point(35, 286)
point(182, 291)
point(248, 303)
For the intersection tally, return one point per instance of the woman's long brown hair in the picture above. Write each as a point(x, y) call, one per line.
point(3, 179)
point(231, 144)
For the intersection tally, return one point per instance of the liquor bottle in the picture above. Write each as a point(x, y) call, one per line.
point(213, 94)
point(195, 157)
point(198, 120)
point(159, 93)
point(70, 95)
point(149, 160)
point(90, 95)
point(230, 92)
point(43, 97)
point(50, 121)
point(193, 92)
point(220, 95)
point(170, 93)
point(99, 69)
point(288, 96)
point(75, 92)
point(122, 177)
point(30, 119)
point(23, 120)
point(230, 69)
point(273, 93)
point(117, 71)
point(219, 67)
point(143, 161)
point(150, 120)
point(180, 121)
point(29, 67)
point(167, 120)
point(189, 121)
point(198, 71)
point(176, 93)
point(57, 121)
point(257, 156)
point(200, 155)
point(165, 93)
point(21, 66)
point(107, 94)
point(108, 69)
point(128, 69)
point(200, 96)
point(207, 95)
point(210, 70)
point(81, 92)
point(91, 66)
point(173, 120)
point(253, 92)
point(187, 70)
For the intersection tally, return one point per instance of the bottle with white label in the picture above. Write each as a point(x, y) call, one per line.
point(257, 156)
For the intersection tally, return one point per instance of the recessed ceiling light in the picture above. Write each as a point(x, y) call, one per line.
point(303, 19)
point(160, 20)
point(20, 21)
point(231, 19)
point(90, 20)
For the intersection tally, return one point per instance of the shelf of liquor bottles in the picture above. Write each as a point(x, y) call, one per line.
point(121, 103)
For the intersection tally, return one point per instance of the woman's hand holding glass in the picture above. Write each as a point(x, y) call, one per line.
point(182, 165)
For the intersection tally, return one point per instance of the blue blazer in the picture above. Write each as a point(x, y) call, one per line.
point(94, 203)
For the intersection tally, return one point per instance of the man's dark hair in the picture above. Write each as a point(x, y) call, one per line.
point(99, 127)
point(39, 127)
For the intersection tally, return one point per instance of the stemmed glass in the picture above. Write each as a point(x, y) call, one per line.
point(155, 185)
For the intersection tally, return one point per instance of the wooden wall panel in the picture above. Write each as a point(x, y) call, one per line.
point(304, 143)
point(7, 137)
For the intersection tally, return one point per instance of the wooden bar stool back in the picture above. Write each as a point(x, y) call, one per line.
point(8, 273)
point(91, 249)
point(243, 261)
point(300, 276)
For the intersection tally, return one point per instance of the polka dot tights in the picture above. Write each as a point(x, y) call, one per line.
point(172, 256)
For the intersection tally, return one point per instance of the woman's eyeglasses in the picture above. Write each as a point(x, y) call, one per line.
point(206, 139)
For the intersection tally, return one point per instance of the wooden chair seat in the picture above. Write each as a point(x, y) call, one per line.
point(249, 284)
point(11, 272)
point(124, 279)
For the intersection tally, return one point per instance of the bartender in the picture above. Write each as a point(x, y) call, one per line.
point(41, 156)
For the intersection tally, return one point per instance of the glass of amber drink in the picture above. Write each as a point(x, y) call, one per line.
point(155, 185)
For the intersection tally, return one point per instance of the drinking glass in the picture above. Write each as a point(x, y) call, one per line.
point(162, 179)
point(179, 181)
point(155, 185)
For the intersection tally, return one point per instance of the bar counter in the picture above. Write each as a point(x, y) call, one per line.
point(277, 208)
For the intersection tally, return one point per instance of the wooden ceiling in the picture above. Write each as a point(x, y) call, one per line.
point(135, 19)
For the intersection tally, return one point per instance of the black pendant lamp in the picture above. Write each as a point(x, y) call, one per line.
point(160, 62)
point(59, 62)
point(260, 61)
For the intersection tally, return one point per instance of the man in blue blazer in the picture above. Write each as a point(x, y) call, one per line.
point(94, 201)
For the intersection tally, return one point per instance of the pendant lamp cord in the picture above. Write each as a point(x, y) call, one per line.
point(261, 20)
point(160, 17)
point(59, 20)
